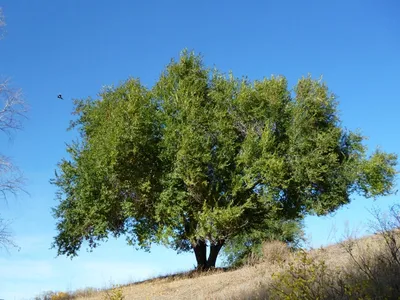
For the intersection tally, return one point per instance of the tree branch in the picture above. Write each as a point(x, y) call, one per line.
point(14, 108)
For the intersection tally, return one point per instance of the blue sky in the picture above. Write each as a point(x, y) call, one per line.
point(75, 47)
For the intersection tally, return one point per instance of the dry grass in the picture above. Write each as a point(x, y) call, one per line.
point(257, 279)
point(218, 284)
point(366, 268)
point(248, 282)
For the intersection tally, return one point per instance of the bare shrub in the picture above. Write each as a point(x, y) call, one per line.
point(272, 252)
point(371, 270)
point(375, 263)
point(84, 293)
point(275, 252)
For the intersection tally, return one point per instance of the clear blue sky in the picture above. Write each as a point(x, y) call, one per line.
point(75, 47)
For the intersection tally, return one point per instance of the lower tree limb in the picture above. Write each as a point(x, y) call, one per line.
point(200, 250)
point(214, 250)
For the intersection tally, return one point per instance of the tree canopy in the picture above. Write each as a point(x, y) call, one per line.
point(204, 157)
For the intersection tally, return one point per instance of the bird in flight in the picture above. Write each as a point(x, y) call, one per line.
point(60, 97)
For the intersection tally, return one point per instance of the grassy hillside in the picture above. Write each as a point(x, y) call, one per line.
point(367, 268)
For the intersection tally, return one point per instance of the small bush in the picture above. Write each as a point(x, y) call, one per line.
point(61, 296)
point(246, 249)
point(54, 296)
point(275, 252)
point(376, 263)
point(86, 292)
point(271, 252)
point(372, 270)
point(115, 293)
point(306, 277)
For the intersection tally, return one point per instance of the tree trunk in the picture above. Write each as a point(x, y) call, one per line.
point(214, 250)
point(200, 250)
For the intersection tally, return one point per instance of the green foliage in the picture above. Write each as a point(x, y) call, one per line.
point(115, 293)
point(301, 279)
point(249, 246)
point(60, 296)
point(307, 277)
point(372, 272)
point(207, 157)
point(54, 296)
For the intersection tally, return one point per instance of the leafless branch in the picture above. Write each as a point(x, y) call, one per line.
point(2, 23)
point(11, 179)
point(11, 182)
point(6, 236)
point(13, 108)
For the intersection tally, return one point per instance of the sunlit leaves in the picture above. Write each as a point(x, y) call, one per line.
point(209, 157)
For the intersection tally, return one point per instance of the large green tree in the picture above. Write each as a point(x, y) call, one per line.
point(202, 158)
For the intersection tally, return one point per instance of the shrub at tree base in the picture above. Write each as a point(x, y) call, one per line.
point(202, 158)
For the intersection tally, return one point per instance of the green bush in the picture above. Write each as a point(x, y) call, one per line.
point(248, 248)
point(306, 277)
point(61, 296)
point(54, 296)
point(115, 293)
point(372, 269)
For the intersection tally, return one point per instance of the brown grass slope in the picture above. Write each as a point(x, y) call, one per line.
point(367, 268)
